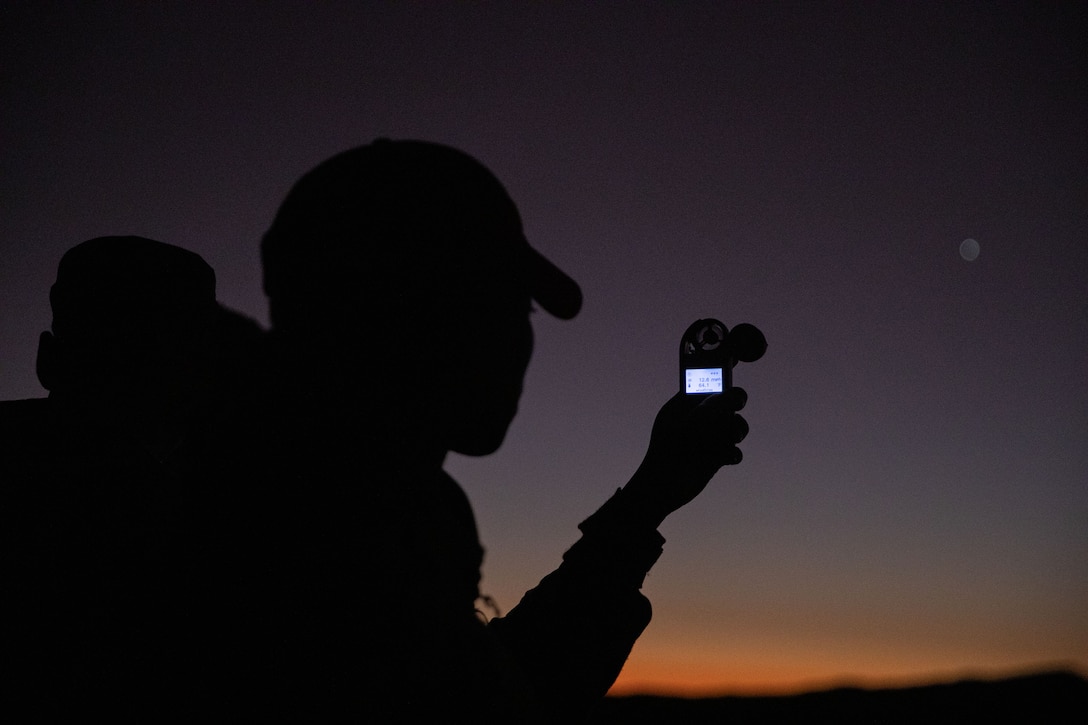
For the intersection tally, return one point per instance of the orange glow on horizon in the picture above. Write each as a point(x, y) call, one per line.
point(676, 659)
point(693, 679)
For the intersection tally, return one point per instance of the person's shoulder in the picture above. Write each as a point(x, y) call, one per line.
point(25, 439)
point(23, 420)
point(25, 407)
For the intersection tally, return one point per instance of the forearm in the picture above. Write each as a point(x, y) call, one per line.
point(619, 542)
point(573, 632)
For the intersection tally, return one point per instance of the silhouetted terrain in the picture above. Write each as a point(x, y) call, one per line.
point(1059, 697)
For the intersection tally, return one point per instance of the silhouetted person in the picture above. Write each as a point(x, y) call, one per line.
point(401, 286)
point(98, 542)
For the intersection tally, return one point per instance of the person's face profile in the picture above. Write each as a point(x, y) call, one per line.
point(491, 343)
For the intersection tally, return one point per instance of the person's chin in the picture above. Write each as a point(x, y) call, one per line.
point(481, 440)
point(476, 449)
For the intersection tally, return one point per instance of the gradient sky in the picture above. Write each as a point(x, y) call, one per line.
point(913, 503)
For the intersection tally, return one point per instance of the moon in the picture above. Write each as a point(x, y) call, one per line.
point(969, 249)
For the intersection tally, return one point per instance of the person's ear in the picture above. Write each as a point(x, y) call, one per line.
point(50, 362)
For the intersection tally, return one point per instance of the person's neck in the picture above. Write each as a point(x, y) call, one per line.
point(350, 407)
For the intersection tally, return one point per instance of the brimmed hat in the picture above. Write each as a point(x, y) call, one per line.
point(128, 282)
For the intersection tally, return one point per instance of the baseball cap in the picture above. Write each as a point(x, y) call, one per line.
point(399, 209)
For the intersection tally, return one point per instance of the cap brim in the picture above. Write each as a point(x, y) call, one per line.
point(552, 288)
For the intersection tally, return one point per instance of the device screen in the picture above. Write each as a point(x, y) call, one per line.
point(702, 380)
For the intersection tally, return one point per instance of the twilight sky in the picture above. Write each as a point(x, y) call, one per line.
point(913, 501)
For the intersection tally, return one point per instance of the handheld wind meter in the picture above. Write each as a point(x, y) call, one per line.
point(709, 351)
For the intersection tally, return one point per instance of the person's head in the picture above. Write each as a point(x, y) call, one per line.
point(402, 266)
point(131, 328)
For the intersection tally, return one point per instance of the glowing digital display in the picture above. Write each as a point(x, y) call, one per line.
point(703, 380)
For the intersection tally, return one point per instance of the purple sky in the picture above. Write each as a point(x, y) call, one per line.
point(914, 497)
